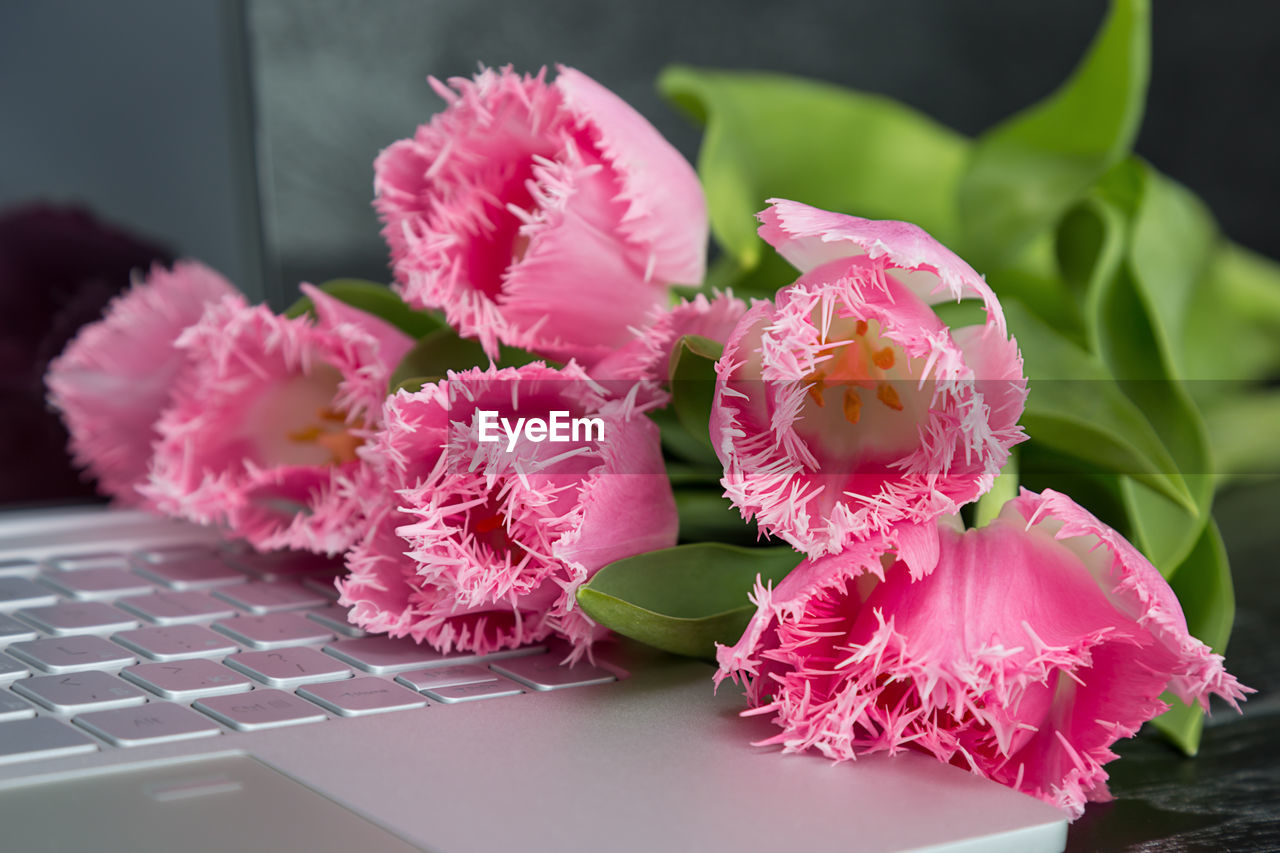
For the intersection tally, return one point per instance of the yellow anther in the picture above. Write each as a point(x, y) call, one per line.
point(888, 395)
point(883, 359)
point(817, 387)
point(852, 405)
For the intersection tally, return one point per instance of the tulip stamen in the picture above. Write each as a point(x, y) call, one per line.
point(852, 405)
point(330, 433)
point(817, 386)
point(888, 395)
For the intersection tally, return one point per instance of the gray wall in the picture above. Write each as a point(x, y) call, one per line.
point(138, 109)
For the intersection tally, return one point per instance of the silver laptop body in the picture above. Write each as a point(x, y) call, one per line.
point(253, 749)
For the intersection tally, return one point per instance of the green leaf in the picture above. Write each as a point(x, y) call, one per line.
point(769, 135)
point(1165, 530)
point(1003, 490)
point(680, 443)
point(689, 474)
point(1174, 237)
point(683, 599)
point(1075, 407)
point(966, 312)
point(434, 354)
point(706, 515)
point(1027, 171)
point(442, 351)
point(1242, 434)
point(1234, 331)
point(1133, 250)
point(376, 299)
point(415, 383)
point(692, 372)
point(1203, 585)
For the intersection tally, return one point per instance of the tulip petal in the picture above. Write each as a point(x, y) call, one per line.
point(666, 209)
point(116, 377)
point(1035, 643)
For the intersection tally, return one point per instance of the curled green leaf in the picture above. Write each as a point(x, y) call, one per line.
point(684, 599)
point(1074, 406)
point(1027, 171)
point(376, 299)
point(769, 135)
point(692, 372)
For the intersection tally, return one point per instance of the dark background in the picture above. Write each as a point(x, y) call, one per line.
point(243, 133)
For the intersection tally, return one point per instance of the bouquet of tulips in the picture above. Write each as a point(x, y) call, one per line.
point(905, 505)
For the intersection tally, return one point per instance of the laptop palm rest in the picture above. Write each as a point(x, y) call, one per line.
point(216, 805)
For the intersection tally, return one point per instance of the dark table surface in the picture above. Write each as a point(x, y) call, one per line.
point(1228, 796)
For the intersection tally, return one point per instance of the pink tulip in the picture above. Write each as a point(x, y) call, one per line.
point(482, 545)
point(846, 408)
point(1036, 643)
point(262, 436)
point(648, 355)
point(118, 374)
point(549, 217)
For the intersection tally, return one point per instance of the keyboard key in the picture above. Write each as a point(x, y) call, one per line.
point(18, 568)
point(285, 565)
point(74, 562)
point(61, 655)
point(80, 691)
point(11, 630)
point(322, 586)
point(289, 667)
point(11, 669)
point(472, 692)
point(176, 642)
point(187, 679)
point(176, 608)
point(155, 722)
point(41, 737)
point(270, 596)
point(334, 617)
point(97, 584)
point(273, 631)
point(445, 676)
point(545, 672)
point(261, 709)
point(358, 697)
point(13, 708)
point(175, 553)
point(78, 617)
point(24, 592)
point(201, 573)
point(382, 655)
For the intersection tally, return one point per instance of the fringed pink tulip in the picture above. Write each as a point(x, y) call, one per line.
point(549, 217)
point(118, 374)
point(846, 408)
point(1036, 643)
point(263, 434)
point(648, 356)
point(483, 544)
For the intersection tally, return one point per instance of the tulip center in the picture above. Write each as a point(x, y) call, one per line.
point(486, 524)
point(866, 381)
point(297, 423)
point(500, 243)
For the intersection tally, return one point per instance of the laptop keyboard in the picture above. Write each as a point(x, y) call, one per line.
point(180, 642)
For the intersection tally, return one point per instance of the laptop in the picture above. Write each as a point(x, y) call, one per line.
point(161, 689)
